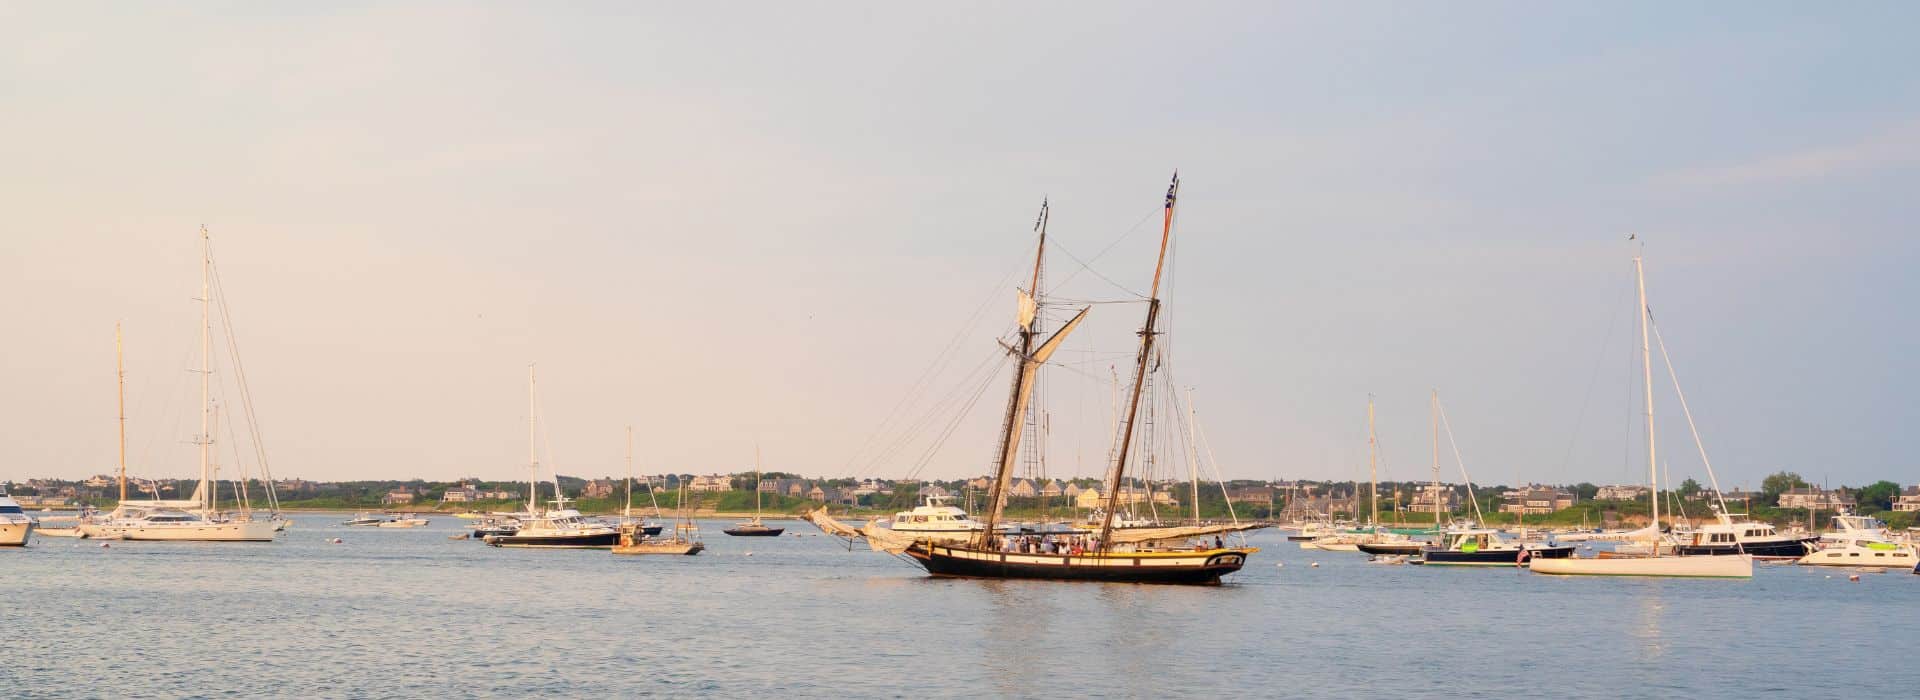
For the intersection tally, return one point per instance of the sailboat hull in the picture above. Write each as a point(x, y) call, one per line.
point(1392, 548)
point(247, 531)
point(754, 531)
point(596, 540)
point(1204, 567)
point(1491, 557)
point(1736, 566)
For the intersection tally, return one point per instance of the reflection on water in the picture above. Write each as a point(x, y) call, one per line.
point(409, 613)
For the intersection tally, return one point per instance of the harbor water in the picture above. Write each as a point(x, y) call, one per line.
point(406, 613)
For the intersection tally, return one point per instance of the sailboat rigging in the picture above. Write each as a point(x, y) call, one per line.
point(192, 520)
point(991, 554)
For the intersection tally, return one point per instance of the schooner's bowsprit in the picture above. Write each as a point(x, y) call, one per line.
point(1126, 556)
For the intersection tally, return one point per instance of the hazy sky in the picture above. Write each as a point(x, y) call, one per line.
point(739, 223)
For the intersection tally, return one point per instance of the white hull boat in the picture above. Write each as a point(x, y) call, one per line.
point(184, 531)
point(1728, 566)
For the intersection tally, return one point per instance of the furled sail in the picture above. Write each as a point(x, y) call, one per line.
point(1028, 309)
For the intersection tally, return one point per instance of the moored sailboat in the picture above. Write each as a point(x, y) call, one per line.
point(199, 519)
point(1659, 561)
point(558, 527)
point(755, 528)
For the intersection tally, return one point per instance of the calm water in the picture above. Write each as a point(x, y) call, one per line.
point(409, 613)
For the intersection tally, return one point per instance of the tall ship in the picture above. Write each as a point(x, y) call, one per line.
point(1142, 555)
point(198, 519)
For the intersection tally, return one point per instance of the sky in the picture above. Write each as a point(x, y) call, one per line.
point(758, 225)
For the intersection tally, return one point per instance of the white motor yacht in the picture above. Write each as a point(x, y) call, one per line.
point(405, 520)
point(16, 527)
point(363, 519)
point(1861, 540)
point(558, 528)
point(936, 518)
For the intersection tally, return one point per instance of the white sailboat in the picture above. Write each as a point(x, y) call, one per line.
point(558, 527)
point(1657, 562)
point(193, 520)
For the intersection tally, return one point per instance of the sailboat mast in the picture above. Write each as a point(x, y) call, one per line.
point(1434, 404)
point(1646, 366)
point(756, 483)
point(628, 513)
point(533, 459)
point(1373, 464)
point(120, 373)
point(206, 348)
point(1193, 457)
point(1118, 472)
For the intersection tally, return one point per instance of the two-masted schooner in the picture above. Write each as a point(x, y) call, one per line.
point(1126, 555)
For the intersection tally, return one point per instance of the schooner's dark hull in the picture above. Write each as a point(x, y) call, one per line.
point(1774, 549)
point(1198, 568)
point(591, 541)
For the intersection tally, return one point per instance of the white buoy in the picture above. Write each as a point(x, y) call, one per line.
point(1316, 565)
point(1279, 565)
point(336, 540)
point(1854, 578)
point(104, 545)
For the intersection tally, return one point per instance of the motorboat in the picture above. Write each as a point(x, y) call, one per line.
point(495, 525)
point(363, 519)
point(936, 518)
point(406, 520)
point(16, 527)
point(1729, 536)
point(1864, 551)
point(1487, 547)
point(634, 540)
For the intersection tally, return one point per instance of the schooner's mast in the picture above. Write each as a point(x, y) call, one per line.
point(120, 372)
point(1029, 358)
point(1117, 474)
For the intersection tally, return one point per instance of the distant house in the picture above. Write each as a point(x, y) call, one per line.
point(710, 484)
point(1814, 497)
point(460, 494)
point(1051, 489)
point(1023, 489)
point(980, 483)
point(1536, 501)
point(796, 488)
point(1909, 500)
point(501, 495)
point(598, 488)
point(1252, 495)
point(1426, 498)
point(1088, 498)
point(100, 481)
point(1072, 491)
point(397, 497)
point(934, 490)
point(1620, 493)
